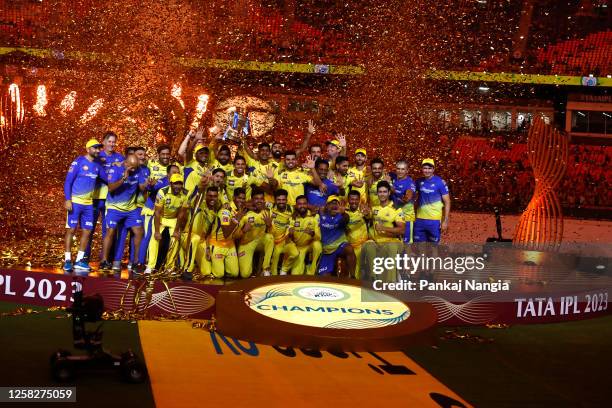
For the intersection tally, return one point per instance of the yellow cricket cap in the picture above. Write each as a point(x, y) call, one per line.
point(176, 178)
point(334, 142)
point(93, 143)
point(362, 151)
point(428, 161)
point(198, 148)
point(332, 198)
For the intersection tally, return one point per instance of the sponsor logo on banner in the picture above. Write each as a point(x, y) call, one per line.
point(327, 305)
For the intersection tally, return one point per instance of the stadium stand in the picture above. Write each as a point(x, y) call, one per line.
point(590, 55)
point(487, 176)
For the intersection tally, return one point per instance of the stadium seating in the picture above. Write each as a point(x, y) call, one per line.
point(590, 55)
point(487, 176)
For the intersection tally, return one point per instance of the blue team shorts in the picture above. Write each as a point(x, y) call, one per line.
point(426, 231)
point(81, 215)
point(327, 264)
point(129, 218)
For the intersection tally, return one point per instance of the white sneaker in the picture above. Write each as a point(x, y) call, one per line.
point(283, 273)
point(266, 273)
point(147, 271)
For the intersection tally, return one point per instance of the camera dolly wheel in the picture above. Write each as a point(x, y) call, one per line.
point(62, 368)
point(132, 369)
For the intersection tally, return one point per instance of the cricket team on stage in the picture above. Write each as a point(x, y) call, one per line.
point(226, 210)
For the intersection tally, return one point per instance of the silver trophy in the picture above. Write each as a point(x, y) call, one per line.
point(239, 125)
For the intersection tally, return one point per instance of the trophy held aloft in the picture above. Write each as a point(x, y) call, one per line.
point(239, 125)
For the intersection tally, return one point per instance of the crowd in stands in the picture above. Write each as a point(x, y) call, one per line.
point(482, 176)
point(589, 55)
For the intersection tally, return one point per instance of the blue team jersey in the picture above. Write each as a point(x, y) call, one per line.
point(332, 231)
point(106, 161)
point(81, 180)
point(399, 191)
point(150, 203)
point(124, 198)
point(400, 187)
point(141, 200)
point(430, 203)
point(316, 197)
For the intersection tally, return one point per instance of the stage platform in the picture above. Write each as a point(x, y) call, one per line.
point(540, 287)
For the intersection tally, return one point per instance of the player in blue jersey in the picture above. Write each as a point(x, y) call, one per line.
point(317, 195)
point(79, 186)
point(107, 158)
point(122, 231)
point(433, 205)
point(403, 189)
point(333, 221)
point(124, 184)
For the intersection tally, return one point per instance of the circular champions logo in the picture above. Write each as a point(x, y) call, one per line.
point(320, 293)
point(328, 305)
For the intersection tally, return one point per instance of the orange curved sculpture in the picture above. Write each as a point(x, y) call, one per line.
point(541, 224)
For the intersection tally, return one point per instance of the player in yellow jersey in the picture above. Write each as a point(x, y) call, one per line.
point(170, 207)
point(187, 150)
point(204, 214)
point(387, 222)
point(221, 158)
point(253, 235)
point(358, 173)
point(377, 167)
point(341, 176)
point(216, 179)
point(292, 179)
point(238, 178)
point(387, 228)
point(335, 148)
point(305, 237)
point(281, 219)
point(158, 167)
point(262, 166)
point(148, 211)
point(196, 168)
point(224, 259)
point(357, 228)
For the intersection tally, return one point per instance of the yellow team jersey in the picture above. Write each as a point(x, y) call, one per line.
point(193, 180)
point(300, 225)
point(345, 183)
point(224, 198)
point(227, 168)
point(386, 215)
point(195, 165)
point(407, 212)
point(223, 219)
point(232, 182)
point(293, 181)
point(170, 203)
point(357, 229)
point(258, 226)
point(194, 177)
point(373, 193)
point(204, 218)
point(259, 168)
point(280, 223)
point(355, 174)
point(259, 173)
